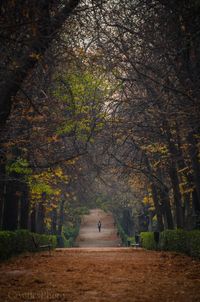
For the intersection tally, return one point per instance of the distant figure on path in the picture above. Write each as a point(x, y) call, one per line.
point(99, 226)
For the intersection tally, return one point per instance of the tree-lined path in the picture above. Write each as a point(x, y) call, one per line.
point(101, 275)
point(99, 107)
point(89, 235)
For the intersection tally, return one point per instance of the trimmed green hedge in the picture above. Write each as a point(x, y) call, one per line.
point(147, 241)
point(174, 240)
point(13, 243)
point(187, 242)
point(7, 240)
point(194, 243)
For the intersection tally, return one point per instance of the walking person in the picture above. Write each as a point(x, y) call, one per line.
point(99, 226)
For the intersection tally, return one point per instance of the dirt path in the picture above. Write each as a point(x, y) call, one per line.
point(89, 236)
point(100, 274)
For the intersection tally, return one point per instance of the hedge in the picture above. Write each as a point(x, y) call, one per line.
point(13, 243)
point(187, 242)
point(7, 240)
point(194, 243)
point(147, 241)
point(174, 240)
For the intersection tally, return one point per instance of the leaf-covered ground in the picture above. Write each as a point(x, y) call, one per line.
point(101, 274)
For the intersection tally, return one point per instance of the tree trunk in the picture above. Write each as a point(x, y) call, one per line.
point(195, 201)
point(41, 215)
point(193, 151)
point(54, 221)
point(33, 219)
point(177, 196)
point(11, 205)
point(61, 217)
point(2, 187)
point(40, 227)
point(154, 195)
point(1, 205)
point(196, 209)
point(8, 89)
point(173, 152)
point(157, 208)
point(150, 226)
point(187, 211)
point(24, 207)
point(167, 213)
point(127, 222)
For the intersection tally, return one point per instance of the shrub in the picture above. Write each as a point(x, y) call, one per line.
point(7, 240)
point(174, 240)
point(148, 242)
point(12, 243)
point(23, 241)
point(70, 233)
point(194, 243)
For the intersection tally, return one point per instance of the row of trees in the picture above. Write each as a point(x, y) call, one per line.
point(150, 51)
point(153, 50)
point(47, 141)
point(28, 29)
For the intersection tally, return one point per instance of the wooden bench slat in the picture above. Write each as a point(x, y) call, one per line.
point(38, 246)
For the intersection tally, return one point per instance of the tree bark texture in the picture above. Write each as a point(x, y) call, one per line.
point(2, 187)
point(54, 221)
point(61, 217)
point(193, 150)
point(33, 219)
point(11, 205)
point(157, 207)
point(166, 208)
point(40, 220)
point(24, 207)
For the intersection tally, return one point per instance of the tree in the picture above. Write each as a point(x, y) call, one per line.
point(27, 30)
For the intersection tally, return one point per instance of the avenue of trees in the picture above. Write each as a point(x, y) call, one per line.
point(99, 105)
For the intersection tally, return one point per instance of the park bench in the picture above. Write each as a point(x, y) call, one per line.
point(38, 246)
point(137, 242)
